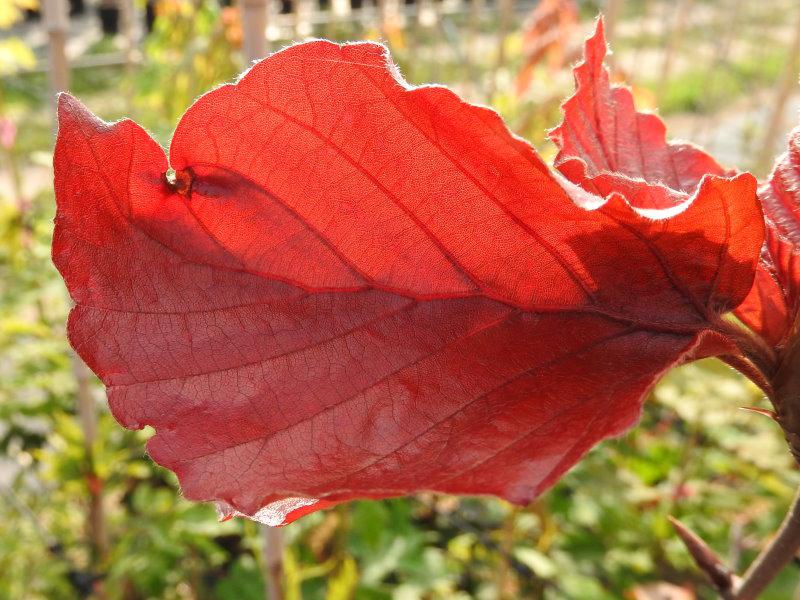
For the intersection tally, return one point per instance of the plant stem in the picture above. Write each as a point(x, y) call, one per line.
point(774, 557)
point(786, 385)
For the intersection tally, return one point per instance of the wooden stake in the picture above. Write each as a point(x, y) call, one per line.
point(472, 37)
point(787, 85)
point(56, 23)
point(611, 14)
point(506, 15)
point(254, 25)
point(87, 415)
point(273, 561)
point(129, 48)
point(682, 11)
point(302, 19)
point(340, 9)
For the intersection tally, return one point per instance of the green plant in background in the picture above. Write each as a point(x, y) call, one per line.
point(191, 49)
point(602, 530)
point(14, 53)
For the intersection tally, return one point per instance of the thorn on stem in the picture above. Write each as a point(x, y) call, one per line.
point(706, 559)
point(761, 411)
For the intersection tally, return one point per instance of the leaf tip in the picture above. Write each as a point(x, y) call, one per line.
point(599, 27)
point(67, 105)
point(70, 110)
point(595, 45)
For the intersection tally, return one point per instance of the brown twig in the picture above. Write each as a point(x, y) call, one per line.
point(774, 557)
point(785, 383)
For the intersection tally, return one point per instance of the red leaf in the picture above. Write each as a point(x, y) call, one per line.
point(358, 289)
point(606, 146)
point(771, 307)
point(546, 34)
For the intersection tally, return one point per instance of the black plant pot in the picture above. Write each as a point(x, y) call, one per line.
point(150, 15)
point(109, 19)
point(76, 7)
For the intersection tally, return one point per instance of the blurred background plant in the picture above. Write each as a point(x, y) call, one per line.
point(83, 511)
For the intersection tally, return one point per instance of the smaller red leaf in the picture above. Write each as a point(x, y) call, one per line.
point(606, 146)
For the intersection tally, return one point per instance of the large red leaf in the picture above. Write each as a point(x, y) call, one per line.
point(606, 146)
point(358, 289)
point(771, 307)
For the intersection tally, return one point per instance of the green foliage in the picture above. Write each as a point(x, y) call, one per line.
point(697, 90)
point(599, 533)
point(188, 53)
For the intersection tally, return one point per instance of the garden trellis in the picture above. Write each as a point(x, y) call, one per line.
point(692, 41)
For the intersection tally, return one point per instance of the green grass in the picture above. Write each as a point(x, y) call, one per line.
point(699, 90)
